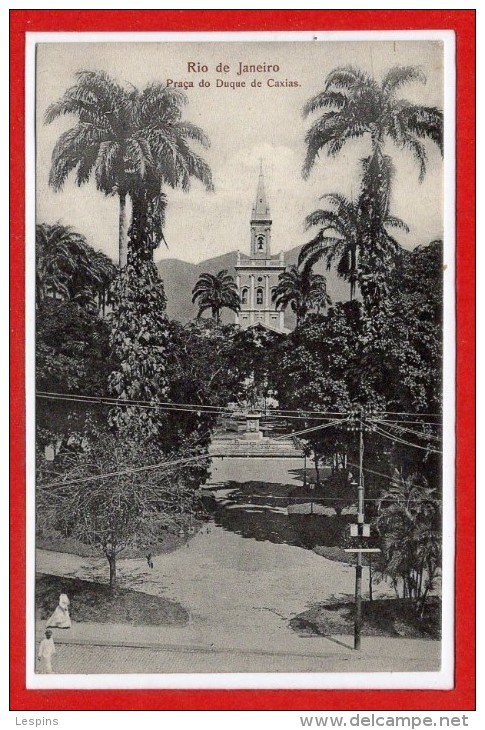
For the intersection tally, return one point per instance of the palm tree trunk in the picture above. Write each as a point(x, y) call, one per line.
point(353, 274)
point(123, 240)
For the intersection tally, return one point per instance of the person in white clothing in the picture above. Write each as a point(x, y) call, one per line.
point(46, 651)
point(60, 619)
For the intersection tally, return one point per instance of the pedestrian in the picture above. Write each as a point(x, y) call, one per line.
point(60, 619)
point(46, 651)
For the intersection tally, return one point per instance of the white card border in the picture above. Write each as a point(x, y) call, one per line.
point(443, 679)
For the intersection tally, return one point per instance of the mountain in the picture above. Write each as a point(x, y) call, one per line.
point(179, 278)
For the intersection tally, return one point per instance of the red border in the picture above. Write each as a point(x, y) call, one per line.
point(462, 697)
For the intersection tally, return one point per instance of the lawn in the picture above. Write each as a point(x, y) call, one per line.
point(168, 542)
point(93, 602)
point(382, 617)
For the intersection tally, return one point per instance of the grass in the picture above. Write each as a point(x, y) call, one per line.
point(93, 602)
point(335, 553)
point(59, 543)
point(382, 617)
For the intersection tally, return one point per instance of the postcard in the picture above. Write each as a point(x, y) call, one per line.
point(240, 337)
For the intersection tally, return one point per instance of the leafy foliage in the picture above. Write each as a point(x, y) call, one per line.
point(355, 105)
point(409, 522)
point(403, 341)
point(124, 505)
point(130, 141)
point(139, 338)
point(202, 369)
point(344, 239)
point(390, 359)
point(72, 356)
point(67, 267)
point(215, 292)
point(302, 290)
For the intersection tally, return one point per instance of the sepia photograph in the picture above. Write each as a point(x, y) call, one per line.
point(240, 263)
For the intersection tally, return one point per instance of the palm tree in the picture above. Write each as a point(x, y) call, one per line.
point(215, 292)
point(69, 268)
point(89, 282)
point(356, 106)
point(128, 140)
point(57, 251)
point(409, 519)
point(301, 290)
point(340, 241)
point(104, 273)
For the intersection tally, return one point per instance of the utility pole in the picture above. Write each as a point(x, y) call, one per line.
point(360, 521)
point(359, 530)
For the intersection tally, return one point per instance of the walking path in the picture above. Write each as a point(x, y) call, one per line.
point(381, 655)
point(240, 594)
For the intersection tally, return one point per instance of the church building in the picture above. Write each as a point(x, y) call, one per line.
point(257, 274)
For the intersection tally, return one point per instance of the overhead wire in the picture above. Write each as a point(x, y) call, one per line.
point(164, 465)
point(182, 407)
point(393, 437)
point(408, 430)
point(124, 472)
point(225, 408)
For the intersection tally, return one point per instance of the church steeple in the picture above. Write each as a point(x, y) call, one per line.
point(261, 222)
point(261, 207)
point(257, 274)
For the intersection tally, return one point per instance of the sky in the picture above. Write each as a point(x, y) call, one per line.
point(244, 126)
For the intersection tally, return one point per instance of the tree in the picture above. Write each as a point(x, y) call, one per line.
point(340, 238)
point(90, 280)
point(202, 370)
point(356, 105)
point(104, 272)
point(72, 357)
point(140, 340)
point(409, 524)
point(128, 140)
point(67, 267)
point(216, 292)
point(302, 290)
point(107, 499)
point(58, 249)
point(309, 375)
point(402, 344)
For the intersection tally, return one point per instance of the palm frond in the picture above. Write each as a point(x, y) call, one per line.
point(426, 122)
point(398, 76)
point(324, 100)
point(395, 222)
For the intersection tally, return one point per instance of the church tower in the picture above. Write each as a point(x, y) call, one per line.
point(261, 223)
point(257, 275)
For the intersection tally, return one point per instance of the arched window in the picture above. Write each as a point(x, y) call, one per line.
point(260, 243)
point(244, 296)
point(259, 296)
